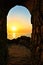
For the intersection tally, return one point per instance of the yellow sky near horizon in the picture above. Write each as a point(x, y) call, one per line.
point(17, 30)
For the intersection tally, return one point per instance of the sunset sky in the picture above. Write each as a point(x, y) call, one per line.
point(18, 22)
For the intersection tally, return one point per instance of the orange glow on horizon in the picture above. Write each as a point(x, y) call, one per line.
point(15, 32)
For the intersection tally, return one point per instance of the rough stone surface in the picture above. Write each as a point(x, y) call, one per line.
point(36, 9)
point(18, 55)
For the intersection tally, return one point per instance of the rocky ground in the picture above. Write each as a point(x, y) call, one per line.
point(18, 55)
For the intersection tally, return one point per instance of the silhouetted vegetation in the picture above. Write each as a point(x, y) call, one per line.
point(23, 40)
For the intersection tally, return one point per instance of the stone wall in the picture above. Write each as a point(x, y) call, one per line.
point(36, 9)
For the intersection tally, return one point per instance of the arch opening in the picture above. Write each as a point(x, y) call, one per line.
point(18, 22)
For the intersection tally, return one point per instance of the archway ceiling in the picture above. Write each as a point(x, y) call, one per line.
point(6, 5)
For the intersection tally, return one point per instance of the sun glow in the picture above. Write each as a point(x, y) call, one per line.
point(14, 35)
point(14, 28)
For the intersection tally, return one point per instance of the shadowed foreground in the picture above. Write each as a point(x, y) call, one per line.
point(18, 55)
point(23, 51)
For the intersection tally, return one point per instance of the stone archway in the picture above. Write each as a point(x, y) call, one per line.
point(6, 6)
point(37, 21)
